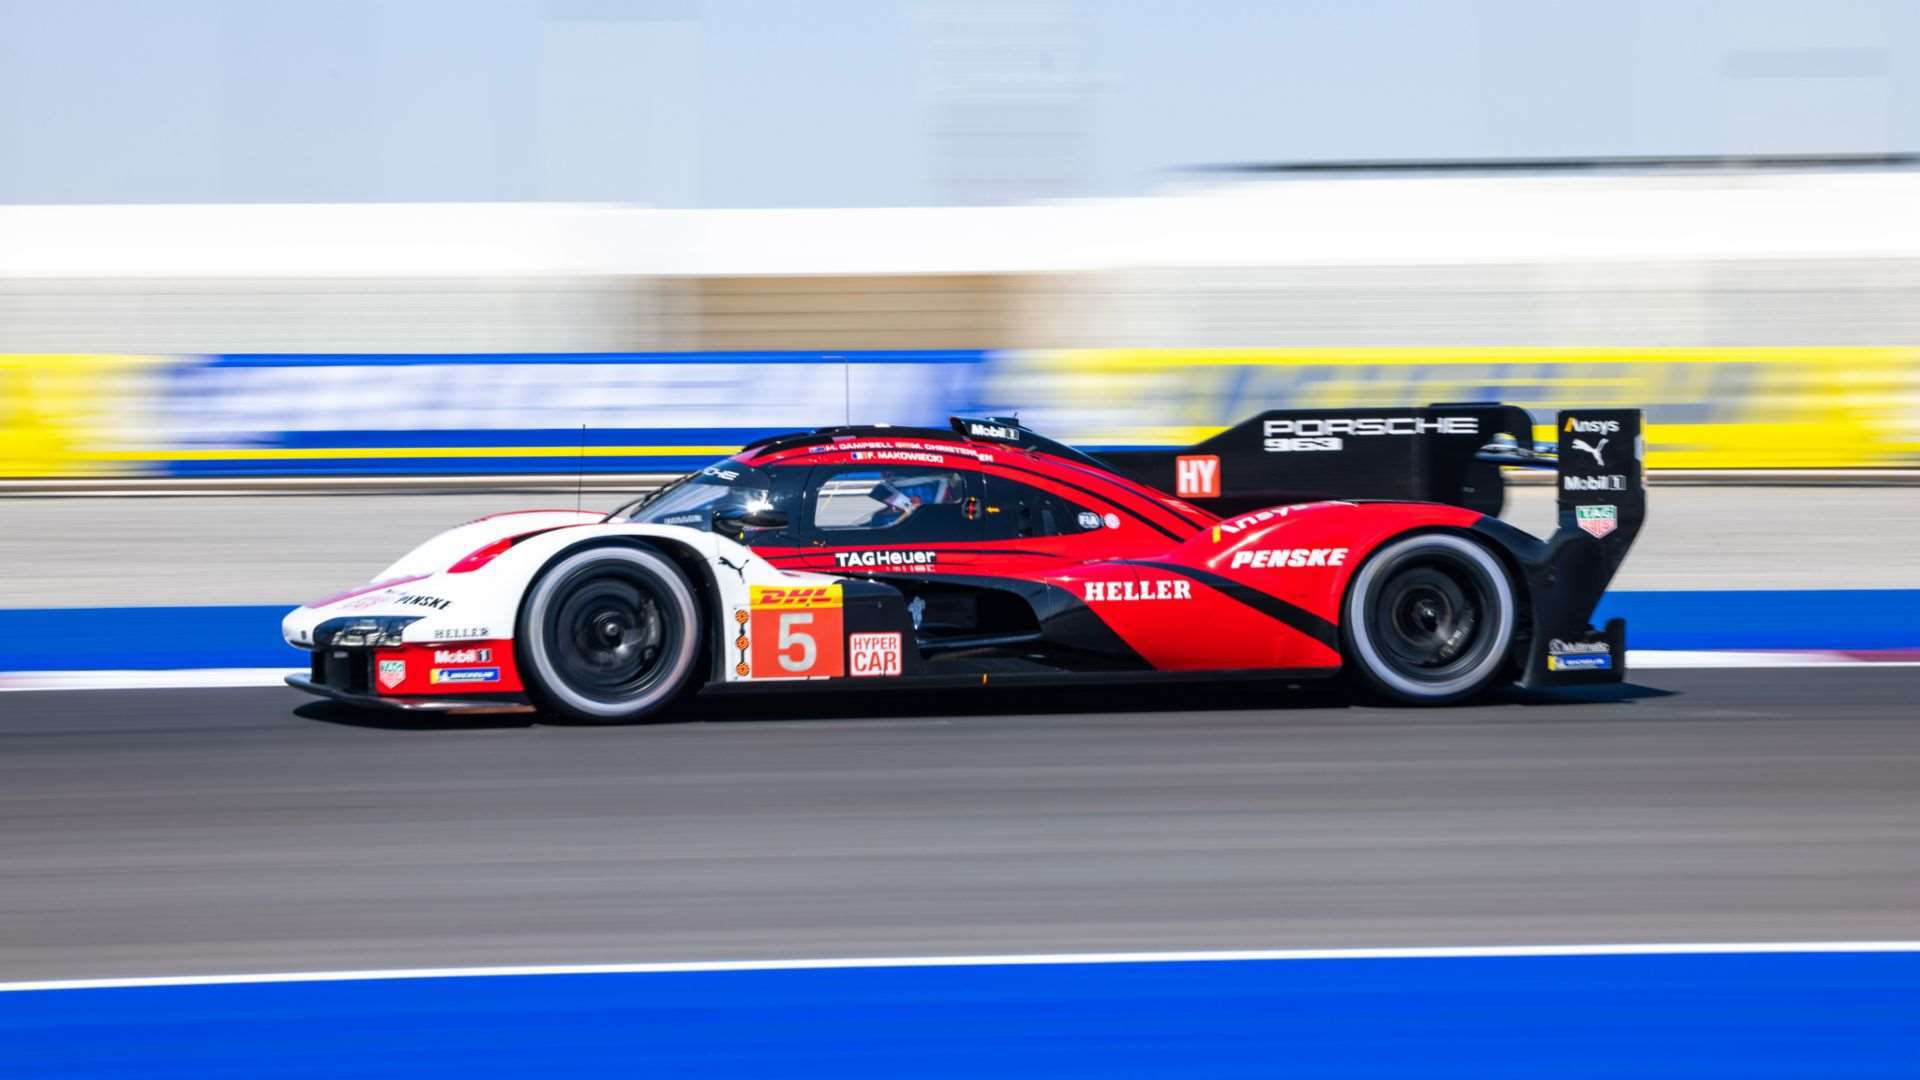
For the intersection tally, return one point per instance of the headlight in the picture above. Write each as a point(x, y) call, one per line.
point(362, 632)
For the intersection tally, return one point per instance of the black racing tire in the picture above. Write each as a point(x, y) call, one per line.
point(1430, 619)
point(609, 635)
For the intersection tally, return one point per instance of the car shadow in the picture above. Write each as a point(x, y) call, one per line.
point(1238, 695)
point(333, 712)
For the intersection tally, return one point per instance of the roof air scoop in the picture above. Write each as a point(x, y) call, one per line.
point(1005, 429)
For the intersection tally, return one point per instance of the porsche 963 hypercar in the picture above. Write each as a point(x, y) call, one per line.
point(1296, 545)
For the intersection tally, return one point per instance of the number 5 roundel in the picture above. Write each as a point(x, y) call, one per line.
point(797, 632)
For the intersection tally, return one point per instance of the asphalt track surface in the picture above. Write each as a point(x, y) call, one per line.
point(206, 831)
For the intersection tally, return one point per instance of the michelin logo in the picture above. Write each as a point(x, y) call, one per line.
point(1579, 655)
point(464, 675)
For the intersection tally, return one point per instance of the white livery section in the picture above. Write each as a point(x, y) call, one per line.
point(467, 584)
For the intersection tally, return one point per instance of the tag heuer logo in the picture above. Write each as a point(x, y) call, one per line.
point(1597, 520)
point(392, 673)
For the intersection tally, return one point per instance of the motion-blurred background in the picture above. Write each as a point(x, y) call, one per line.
point(436, 237)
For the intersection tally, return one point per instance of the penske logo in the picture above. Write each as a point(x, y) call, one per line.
point(1115, 591)
point(1279, 557)
point(795, 597)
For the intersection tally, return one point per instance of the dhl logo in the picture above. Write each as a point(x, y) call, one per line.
point(795, 597)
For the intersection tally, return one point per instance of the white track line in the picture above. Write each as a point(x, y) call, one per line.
point(194, 678)
point(1009, 960)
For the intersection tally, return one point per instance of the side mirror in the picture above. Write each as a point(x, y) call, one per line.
point(740, 520)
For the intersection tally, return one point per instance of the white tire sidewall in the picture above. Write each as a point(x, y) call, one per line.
point(540, 602)
point(1367, 653)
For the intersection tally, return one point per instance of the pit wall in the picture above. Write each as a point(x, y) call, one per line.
point(412, 414)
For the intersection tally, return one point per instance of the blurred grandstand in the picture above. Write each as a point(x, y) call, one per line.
point(1762, 310)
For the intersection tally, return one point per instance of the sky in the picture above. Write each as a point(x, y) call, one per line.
point(757, 103)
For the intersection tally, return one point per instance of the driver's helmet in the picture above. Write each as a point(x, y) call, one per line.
point(898, 502)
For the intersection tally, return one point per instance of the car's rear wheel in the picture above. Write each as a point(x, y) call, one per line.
point(609, 635)
point(1430, 619)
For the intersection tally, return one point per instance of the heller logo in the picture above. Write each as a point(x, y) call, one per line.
point(1597, 521)
point(1111, 591)
point(1197, 476)
point(873, 654)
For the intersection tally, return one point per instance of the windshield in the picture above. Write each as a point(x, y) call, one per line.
point(723, 488)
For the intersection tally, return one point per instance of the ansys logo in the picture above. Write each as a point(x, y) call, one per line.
point(1603, 428)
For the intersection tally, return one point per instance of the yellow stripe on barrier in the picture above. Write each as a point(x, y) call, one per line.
point(57, 411)
point(1707, 407)
point(1404, 356)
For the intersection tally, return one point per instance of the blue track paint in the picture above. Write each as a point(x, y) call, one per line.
point(1765, 1015)
point(100, 639)
point(1768, 619)
point(152, 638)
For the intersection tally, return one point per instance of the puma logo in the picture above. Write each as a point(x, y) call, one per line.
point(1581, 444)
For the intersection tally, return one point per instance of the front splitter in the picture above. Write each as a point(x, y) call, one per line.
point(466, 707)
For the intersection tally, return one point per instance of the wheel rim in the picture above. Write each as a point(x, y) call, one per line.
point(1436, 617)
point(610, 636)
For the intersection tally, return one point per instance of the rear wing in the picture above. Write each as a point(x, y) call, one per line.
point(1432, 454)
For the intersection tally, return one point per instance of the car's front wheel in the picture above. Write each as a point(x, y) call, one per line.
point(1430, 619)
point(609, 635)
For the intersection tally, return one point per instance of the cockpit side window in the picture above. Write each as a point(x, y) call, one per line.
point(891, 505)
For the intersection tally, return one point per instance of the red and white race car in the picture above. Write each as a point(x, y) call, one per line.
point(1295, 545)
